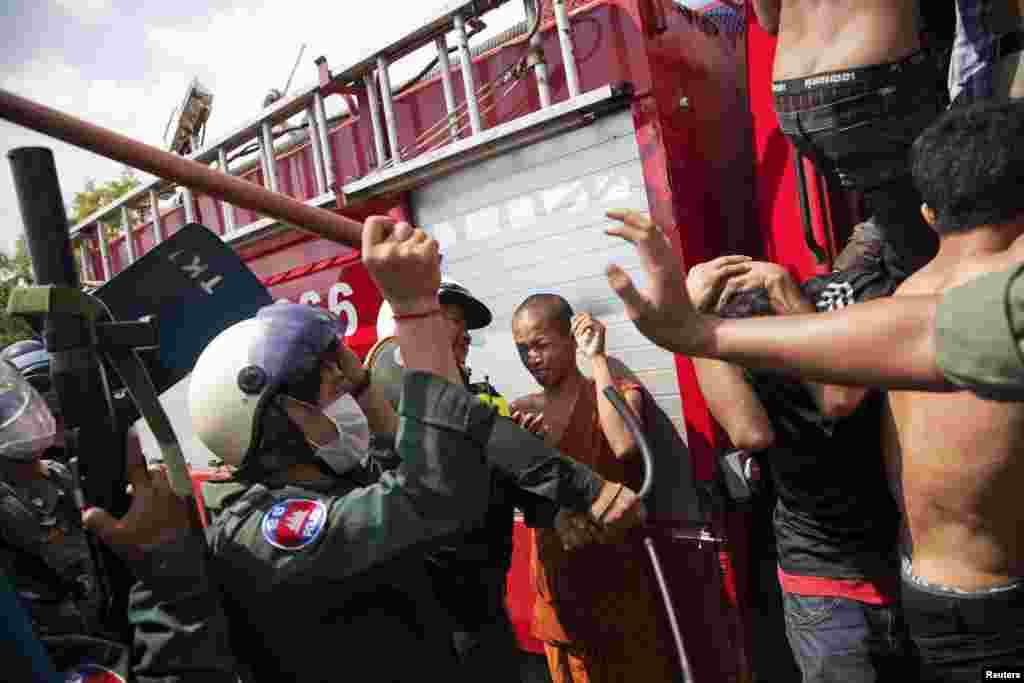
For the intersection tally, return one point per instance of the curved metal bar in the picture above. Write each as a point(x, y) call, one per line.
point(633, 424)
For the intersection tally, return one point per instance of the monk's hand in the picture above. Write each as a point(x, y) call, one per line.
point(663, 312)
point(577, 529)
point(617, 510)
point(404, 262)
point(156, 515)
point(589, 334)
point(705, 281)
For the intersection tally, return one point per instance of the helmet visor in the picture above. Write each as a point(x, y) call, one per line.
point(27, 427)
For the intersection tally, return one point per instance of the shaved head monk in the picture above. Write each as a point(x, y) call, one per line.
point(597, 610)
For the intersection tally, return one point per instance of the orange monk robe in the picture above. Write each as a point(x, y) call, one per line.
point(598, 610)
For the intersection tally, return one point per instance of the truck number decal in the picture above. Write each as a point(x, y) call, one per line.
point(337, 303)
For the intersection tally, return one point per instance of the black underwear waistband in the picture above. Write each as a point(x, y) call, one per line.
point(860, 79)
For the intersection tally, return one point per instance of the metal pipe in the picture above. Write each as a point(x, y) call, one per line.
point(540, 68)
point(378, 135)
point(572, 76)
point(449, 88)
point(178, 169)
point(267, 135)
point(325, 142)
point(805, 209)
point(264, 164)
point(158, 224)
point(101, 237)
point(389, 109)
point(189, 200)
point(43, 214)
point(126, 222)
point(226, 208)
point(318, 156)
point(468, 81)
point(84, 262)
point(633, 425)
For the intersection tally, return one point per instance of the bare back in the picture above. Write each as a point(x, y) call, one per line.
point(817, 36)
point(960, 464)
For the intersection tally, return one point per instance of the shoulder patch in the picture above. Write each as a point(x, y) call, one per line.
point(294, 523)
point(92, 673)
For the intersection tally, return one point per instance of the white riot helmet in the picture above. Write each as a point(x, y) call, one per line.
point(450, 292)
point(247, 366)
point(27, 427)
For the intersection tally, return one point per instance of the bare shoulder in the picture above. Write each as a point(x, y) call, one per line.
point(927, 280)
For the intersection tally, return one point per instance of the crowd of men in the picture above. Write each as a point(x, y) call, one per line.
point(363, 536)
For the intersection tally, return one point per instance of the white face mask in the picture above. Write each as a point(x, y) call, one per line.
point(349, 450)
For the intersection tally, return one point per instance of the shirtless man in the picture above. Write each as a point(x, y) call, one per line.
point(954, 459)
point(959, 459)
point(853, 88)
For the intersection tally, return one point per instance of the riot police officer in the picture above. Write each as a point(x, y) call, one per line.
point(322, 572)
point(43, 547)
point(180, 632)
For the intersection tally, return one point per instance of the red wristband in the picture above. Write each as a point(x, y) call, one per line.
point(414, 316)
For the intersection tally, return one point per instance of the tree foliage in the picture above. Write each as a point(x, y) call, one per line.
point(14, 270)
point(94, 197)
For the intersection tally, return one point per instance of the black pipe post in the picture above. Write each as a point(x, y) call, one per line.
point(74, 365)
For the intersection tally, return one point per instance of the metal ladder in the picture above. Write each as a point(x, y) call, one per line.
point(371, 74)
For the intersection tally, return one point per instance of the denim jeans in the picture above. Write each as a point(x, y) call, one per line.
point(838, 640)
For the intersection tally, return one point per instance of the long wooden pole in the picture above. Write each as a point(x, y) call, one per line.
point(186, 172)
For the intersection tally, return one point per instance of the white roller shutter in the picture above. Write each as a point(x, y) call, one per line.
point(532, 221)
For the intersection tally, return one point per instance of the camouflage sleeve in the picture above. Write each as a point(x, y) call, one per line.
point(181, 632)
point(440, 485)
point(537, 478)
point(543, 480)
point(978, 331)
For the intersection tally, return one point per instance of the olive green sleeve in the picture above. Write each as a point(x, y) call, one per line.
point(978, 331)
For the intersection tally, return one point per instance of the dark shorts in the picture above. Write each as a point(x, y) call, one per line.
point(838, 640)
point(961, 635)
point(859, 124)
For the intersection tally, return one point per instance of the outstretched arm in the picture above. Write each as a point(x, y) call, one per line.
point(840, 347)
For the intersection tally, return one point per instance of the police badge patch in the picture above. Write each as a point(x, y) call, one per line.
point(92, 673)
point(294, 523)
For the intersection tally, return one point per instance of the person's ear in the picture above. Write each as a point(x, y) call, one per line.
point(928, 213)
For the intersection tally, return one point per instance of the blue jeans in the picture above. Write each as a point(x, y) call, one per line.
point(845, 641)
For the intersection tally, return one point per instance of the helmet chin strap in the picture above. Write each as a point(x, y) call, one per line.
point(282, 444)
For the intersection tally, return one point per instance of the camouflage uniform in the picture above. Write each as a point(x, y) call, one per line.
point(327, 576)
point(44, 552)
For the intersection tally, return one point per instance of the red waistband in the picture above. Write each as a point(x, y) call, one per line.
point(869, 591)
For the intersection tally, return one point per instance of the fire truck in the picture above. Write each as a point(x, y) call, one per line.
point(509, 152)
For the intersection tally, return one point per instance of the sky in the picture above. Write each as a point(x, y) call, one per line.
point(126, 65)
